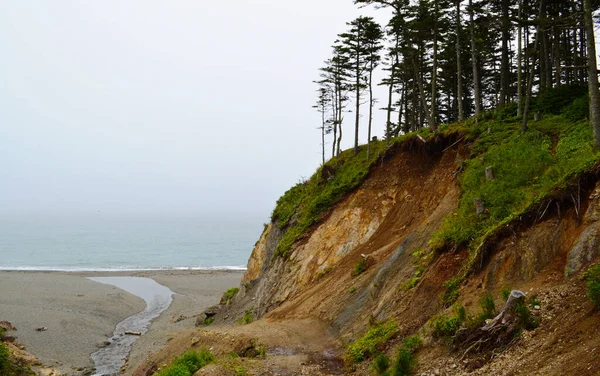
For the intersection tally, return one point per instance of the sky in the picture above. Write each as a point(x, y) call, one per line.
point(161, 108)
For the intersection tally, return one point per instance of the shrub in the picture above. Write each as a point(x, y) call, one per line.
point(578, 110)
point(366, 346)
point(405, 362)
point(592, 276)
point(209, 320)
point(452, 291)
point(526, 320)
point(360, 267)
point(188, 363)
point(444, 326)
point(488, 307)
point(381, 364)
point(229, 294)
point(506, 292)
point(554, 100)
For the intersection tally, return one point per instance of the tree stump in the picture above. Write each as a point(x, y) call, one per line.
point(489, 173)
point(479, 206)
point(508, 313)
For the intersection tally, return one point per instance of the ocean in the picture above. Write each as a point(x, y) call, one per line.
point(106, 244)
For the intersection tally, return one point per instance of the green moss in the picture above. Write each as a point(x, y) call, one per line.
point(366, 346)
point(4, 360)
point(188, 363)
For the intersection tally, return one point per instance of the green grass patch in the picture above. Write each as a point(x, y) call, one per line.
point(188, 363)
point(527, 168)
point(592, 276)
point(366, 347)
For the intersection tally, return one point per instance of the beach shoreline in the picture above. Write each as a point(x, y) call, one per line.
point(81, 314)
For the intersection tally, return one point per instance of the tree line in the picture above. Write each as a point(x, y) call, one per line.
point(447, 60)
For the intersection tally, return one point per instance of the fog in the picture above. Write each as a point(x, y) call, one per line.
point(139, 107)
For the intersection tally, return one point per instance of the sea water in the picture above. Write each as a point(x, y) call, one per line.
point(113, 244)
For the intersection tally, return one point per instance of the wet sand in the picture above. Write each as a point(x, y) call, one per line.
point(81, 314)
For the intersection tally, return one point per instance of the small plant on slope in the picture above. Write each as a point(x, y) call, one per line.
point(592, 276)
point(366, 346)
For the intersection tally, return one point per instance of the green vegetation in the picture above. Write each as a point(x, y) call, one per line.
point(229, 294)
point(352, 290)
point(527, 168)
point(526, 320)
point(452, 291)
point(209, 320)
point(488, 307)
point(506, 292)
point(381, 364)
point(444, 326)
point(246, 319)
point(360, 267)
point(302, 205)
point(187, 364)
point(405, 362)
point(327, 270)
point(592, 276)
point(366, 346)
point(4, 360)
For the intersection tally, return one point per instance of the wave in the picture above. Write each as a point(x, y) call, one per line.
point(76, 269)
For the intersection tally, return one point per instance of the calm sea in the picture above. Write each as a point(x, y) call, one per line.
point(102, 244)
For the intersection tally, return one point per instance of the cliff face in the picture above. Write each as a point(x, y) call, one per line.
point(386, 220)
point(370, 259)
point(389, 221)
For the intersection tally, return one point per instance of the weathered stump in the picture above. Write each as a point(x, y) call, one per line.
point(489, 173)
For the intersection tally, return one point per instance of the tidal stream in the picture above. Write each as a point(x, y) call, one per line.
point(109, 360)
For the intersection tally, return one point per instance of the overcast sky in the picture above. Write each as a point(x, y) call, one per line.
point(155, 107)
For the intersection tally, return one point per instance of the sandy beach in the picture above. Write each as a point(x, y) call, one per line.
point(81, 314)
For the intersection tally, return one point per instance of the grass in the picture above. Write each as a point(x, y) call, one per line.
point(452, 291)
point(592, 276)
point(229, 294)
point(366, 346)
point(188, 363)
point(527, 167)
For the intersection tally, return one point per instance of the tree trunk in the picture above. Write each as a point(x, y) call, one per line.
point(531, 72)
point(459, 88)
point(592, 72)
point(388, 123)
point(433, 111)
point(504, 67)
point(520, 62)
point(357, 109)
point(370, 108)
point(477, 94)
point(334, 105)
